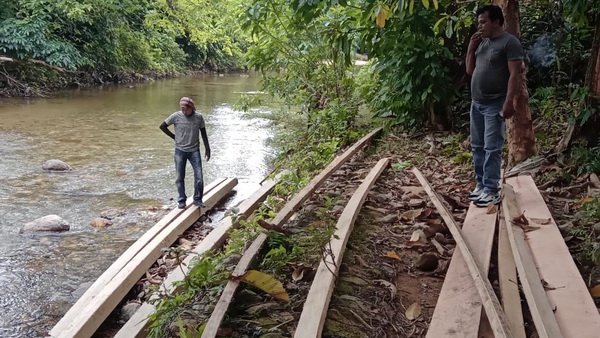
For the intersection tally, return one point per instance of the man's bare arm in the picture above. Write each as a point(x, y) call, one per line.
point(166, 130)
point(514, 67)
point(206, 145)
point(473, 44)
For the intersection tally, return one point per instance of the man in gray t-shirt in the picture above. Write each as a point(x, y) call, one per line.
point(189, 124)
point(494, 59)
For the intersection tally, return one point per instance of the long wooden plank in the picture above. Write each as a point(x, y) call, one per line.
point(137, 325)
point(575, 312)
point(120, 262)
point(507, 277)
point(459, 308)
point(491, 304)
point(315, 308)
point(539, 306)
point(99, 307)
point(282, 216)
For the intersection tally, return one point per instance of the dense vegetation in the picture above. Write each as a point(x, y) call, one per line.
point(46, 43)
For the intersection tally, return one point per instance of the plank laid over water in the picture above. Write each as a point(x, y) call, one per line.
point(458, 309)
point(214, 322)
point(492, 307)
point(539, 306)
point(118, 264)
point(575, 312)
point(136, 326)
point(315, 308)
point(507, 278)
point(101, 305)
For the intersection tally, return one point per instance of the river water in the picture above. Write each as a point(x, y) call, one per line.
point(123, 164)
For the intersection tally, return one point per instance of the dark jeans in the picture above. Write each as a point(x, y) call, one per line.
point(487, 139)
point(180, 161)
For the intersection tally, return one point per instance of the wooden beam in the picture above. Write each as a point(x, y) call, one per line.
point(539, 306)
point(575, 311)
point(122, 261)
point(101, 305)
point(458, 312)
point(137, 325)
point(316, 305)
point(509, 288)
point(491, 304)
point(282, 216)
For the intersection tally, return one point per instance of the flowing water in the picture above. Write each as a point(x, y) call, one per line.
point(123, 165)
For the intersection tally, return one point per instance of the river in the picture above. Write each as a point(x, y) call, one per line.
point(122, 163)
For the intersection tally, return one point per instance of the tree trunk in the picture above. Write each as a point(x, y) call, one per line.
point(592, 77)
point(519, 128)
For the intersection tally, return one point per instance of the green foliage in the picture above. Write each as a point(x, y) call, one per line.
point(585, 160)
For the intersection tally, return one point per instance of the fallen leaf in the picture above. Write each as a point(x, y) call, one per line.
point(270, 226)
point(267, 283)
point(391, 254)
point(542, 221)
point(415, 236)
point(411, 215)
point(492, 209)
point(298, 273)
point(390, 286)
point(414, 244)
point(595, 291)
point(425, 213)
point(361, 261)
point(413, 311)
point(550, 287)
point(521, 219)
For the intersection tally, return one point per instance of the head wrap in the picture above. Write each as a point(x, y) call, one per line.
point(186, 101)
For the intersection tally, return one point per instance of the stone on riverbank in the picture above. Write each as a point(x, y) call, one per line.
point(56, 165)
point(47, 223)
point(100, 222)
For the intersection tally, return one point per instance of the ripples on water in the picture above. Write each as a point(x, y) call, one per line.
point(121, 161)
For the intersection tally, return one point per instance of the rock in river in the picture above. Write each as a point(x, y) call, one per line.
point(100, 222)
point(56, 165)
point(47, 223)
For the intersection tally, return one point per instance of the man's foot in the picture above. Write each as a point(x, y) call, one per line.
point(487, 198)
point(475, 194)
point(199, 204)
point(181, 205)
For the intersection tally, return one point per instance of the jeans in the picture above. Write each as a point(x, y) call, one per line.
point(487, 139)
point(180, 161)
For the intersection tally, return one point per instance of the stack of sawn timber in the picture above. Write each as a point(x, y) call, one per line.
point(557, 297)
point(94, 306)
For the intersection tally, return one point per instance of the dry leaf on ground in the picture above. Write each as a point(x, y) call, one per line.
point(267, 283)
point(595, 291)
point(542, 221)
point(390, 286)
point(413, 311)
point(298, 273)
point(392, 254)
point(411, 215)
point(492, 209)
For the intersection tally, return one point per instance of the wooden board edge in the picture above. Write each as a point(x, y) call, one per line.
point(314, 313)
point(99, 307)
point(490, 302)
point(122, 260)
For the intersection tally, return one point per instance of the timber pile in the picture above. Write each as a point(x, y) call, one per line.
point(530, 246)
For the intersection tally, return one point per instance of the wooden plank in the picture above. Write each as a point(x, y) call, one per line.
point(118, 264)
point(576, 313)
point(316, 305)
point(137, 325)
point(282, 216)
point(101, 305)
point(539, 306)
point(491, 304)
point(509, 288)
point(458, 311)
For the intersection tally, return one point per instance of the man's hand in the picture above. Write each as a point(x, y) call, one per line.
point(508, 110)
point(207, 155)
point(475, 39)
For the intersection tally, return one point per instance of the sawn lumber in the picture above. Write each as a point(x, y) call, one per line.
point(314, 313)
point(492, 307)
point(136, 326)
point(214, 322)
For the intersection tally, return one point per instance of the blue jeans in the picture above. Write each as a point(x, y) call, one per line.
point(487, 139)
point(181, 158)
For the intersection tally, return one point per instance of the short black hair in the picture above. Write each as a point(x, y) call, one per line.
point(494, 13)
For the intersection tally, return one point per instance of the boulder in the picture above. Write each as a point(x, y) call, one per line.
point(100, 222)
point(47, 223)
point(56, 165)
